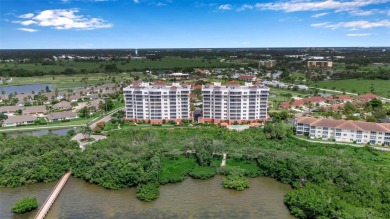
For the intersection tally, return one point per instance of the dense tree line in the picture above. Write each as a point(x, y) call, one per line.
point(27, 159)
point(329, 181)
point(381, 74)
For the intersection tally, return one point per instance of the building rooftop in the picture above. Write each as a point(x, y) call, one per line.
point(345, 124)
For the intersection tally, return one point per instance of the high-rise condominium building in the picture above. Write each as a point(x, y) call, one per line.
point(157, 102)
point(234, 103)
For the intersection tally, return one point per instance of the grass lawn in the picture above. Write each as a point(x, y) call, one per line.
point(382, 87)
point(64, 81)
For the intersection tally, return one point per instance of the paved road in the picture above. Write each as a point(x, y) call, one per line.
point(78, 137)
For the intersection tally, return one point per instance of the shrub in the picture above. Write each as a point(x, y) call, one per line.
point(236, 182)
point(71, 133)
point(97, 129)
point(156, 124)
point(229, 170)
point(101, 125)
point(202, 172)
point(25, 205)
point(148, 192)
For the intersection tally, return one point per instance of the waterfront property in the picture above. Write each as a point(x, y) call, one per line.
point(60, 116)
point(19, 120)
point(10, 110)
point(63, 105)
point(344, 130)
point(157, 102)
point(234, 103)
point(35, 110)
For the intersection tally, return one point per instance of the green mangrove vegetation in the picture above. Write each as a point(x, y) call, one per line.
point(236, 182)
point(25, 205)
point(28, 159)
point(328, 180)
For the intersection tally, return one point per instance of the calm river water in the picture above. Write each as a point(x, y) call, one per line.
point(189, 199)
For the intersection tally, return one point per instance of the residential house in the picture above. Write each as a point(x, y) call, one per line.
point(59, 116)
point(63, 105)
point(366, 97)
point(19, 120)
point(344, 130)
point(10, 110)
point(94, 104)
point(35, 110)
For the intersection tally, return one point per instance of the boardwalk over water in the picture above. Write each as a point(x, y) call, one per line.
point(52, 197)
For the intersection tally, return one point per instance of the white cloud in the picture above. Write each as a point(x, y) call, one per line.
point(63, 19)
point(157, 4)
point(245, 7)
point(225, 7)
point(354, 25)
point(363, 13)
point(320, 24)
point(26, 16)
point(359, 34)
point(28, 30)
point(28, 22)
point(319, 15)
point(304, 5)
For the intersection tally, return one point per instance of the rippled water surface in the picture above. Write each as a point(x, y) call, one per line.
point(189, 199)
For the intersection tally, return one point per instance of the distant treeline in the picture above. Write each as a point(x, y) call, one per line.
point(379, 74)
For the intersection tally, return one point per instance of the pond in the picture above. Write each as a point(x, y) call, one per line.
point(189, 199)
point(61, 132)
point(27, 88)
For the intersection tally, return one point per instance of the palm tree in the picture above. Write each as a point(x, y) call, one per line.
point(309, 105)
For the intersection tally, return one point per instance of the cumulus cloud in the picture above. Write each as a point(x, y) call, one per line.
point(64, 19)
point(225, 7)
point(245, 7)
point(304, 5)
point(319, 15)
point(27, 22)
point(354, 25)
point(358, 34)
point(28, 30)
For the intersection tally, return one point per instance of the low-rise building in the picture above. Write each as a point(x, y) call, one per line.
point(59, 116)
point(10, 110)
point(35, 110)
point(267, 63)
point(63, 105)
point(19, 120)
point(320, 64)
point(344, 130)
point(248, 78)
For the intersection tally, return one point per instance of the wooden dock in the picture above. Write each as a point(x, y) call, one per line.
point(223, 163)
point(52, 197)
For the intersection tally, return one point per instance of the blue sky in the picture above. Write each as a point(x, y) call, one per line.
point(40, 24)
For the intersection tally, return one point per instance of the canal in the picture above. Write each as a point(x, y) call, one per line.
point(189, 199)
